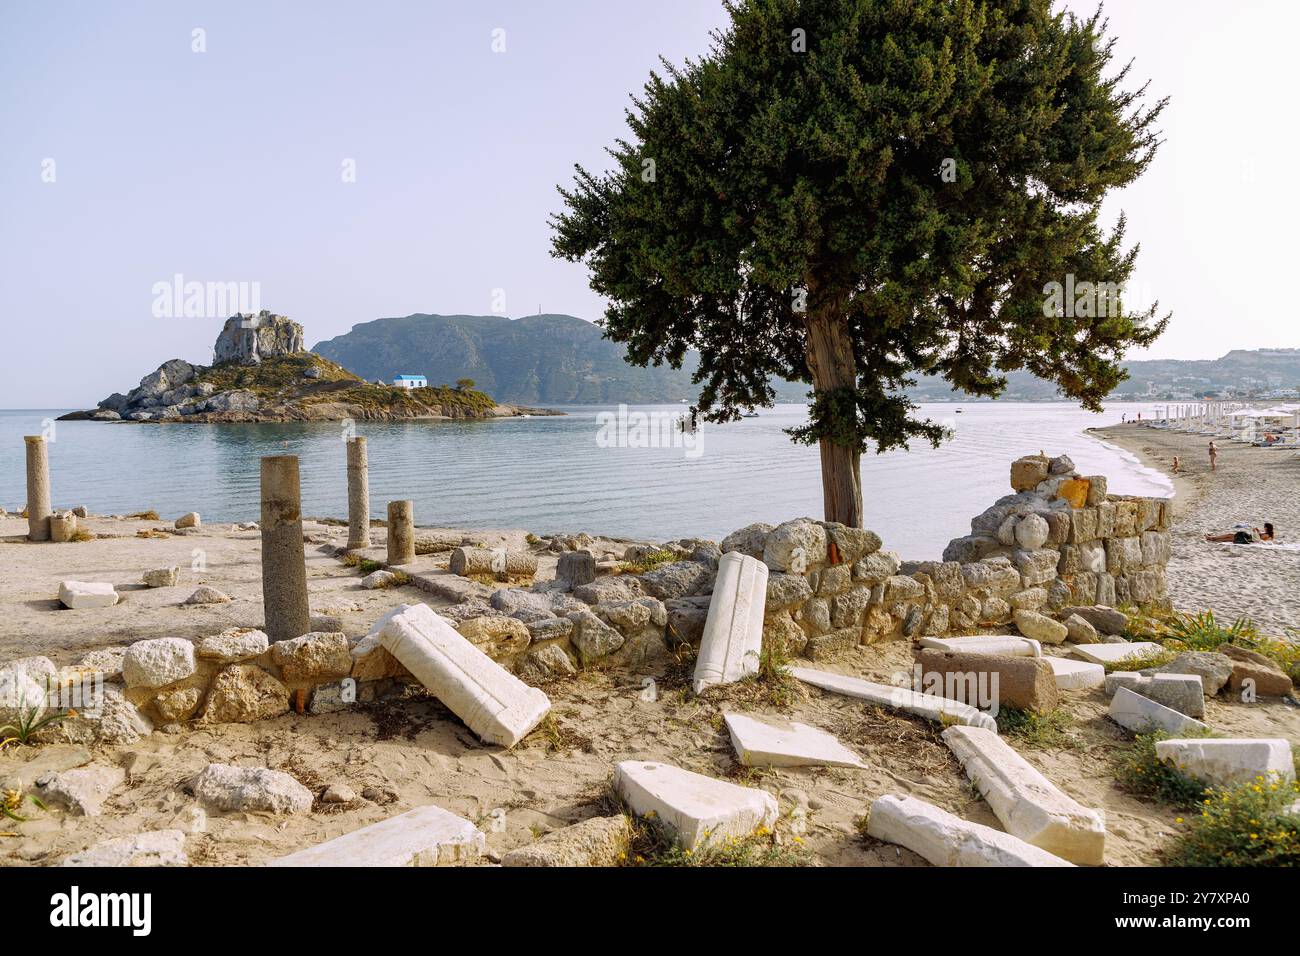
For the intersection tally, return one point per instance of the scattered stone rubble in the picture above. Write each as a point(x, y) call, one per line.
point(1048, 560)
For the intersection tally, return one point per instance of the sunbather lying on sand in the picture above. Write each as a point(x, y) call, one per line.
point(1244, 535)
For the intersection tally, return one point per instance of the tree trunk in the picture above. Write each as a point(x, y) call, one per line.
point(830, 360)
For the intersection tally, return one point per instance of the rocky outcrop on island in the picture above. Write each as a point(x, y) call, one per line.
point(245, 340)
point(263, 374)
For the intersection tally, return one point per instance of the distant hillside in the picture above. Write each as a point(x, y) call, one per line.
point(561, 359)
point(1246, 374)
point(548, 359)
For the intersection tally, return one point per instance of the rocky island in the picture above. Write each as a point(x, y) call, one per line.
point(262, 373)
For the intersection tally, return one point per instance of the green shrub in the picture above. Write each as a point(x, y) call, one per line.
point(648, 562)
point(1201, 632)
point(1249, 825)
point(1142, 774)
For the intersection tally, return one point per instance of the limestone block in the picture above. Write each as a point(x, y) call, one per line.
point(1029, 805)
point(425, 836)
point(1083, 526)
point(575, 568)
point(1032, 532)
point(498, 637)
point(1075, 491)
point(795, 546)
point(1142, 715)
point(63, 525)
point(1107, 620)
point(1040, 627)
point(82, 790)
point(600, 841)
point(79, 595)
point(233, 789)
point(1268, 678)
point(1229, 762)
point(697, 809)
point(1001, 644)
point(1028, 472)
point(233, 645)
point(156, 848)
point(315, 656)
point(1183, 692)
point(898, 698)
point(943, 839)
point(1157, 548)
point(1076, 675)
point(242, 693)
point(733, 632)
point(1037, 567)
point(1023, 683)
point(774, 742)
point(158, 662)
point(162, 577)
point(1079, 631)
point(189, 520)
point(492, 702)
point(1097, 489)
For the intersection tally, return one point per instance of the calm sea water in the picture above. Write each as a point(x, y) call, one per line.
point(551, 474)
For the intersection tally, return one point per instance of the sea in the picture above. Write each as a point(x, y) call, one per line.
point(619, 471)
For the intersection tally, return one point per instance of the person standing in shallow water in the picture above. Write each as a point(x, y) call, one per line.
point(1214, 457)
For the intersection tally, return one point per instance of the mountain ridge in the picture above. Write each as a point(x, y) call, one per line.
point(555, 358)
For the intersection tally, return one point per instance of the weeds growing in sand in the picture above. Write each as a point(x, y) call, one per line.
point(1248, 825)
point(653, 844)
point(1141, 773)
point(369, 565)
point(81, 534)
point(1201, 632)
point(149, 515)
point(647, 562)
point(29, 721)
point(1140, 662)
point(11, 801)
point(1044, 732)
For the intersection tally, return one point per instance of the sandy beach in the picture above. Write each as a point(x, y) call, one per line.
point(401, 754)
point(1251, 486)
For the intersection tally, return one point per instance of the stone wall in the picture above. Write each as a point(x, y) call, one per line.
point(1059, 540)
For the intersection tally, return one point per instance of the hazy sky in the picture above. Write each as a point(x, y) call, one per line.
point(229, 165)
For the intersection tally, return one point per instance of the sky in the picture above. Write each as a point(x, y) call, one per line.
point(362, 160)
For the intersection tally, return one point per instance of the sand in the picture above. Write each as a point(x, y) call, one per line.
point(413, 752)
point(1251, 485)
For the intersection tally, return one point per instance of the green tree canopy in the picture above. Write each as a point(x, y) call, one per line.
point(851, 192)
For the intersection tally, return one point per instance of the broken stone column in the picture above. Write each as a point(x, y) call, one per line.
point(284, 566)
point(947, 840)
point(501, 563)
point(38, 489)
point(733, 631)
point(358, 495)
point(492, 702)
point(63, 526)
point(401, 532)
point(1029, 805)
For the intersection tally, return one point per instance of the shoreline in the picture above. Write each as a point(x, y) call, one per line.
point(1251, 486)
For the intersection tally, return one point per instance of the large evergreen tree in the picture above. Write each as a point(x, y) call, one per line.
point(851, 192)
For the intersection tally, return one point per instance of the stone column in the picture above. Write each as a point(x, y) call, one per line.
point(401, 532)
point(38, 489)
point(284, 565)
point(358, 495)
